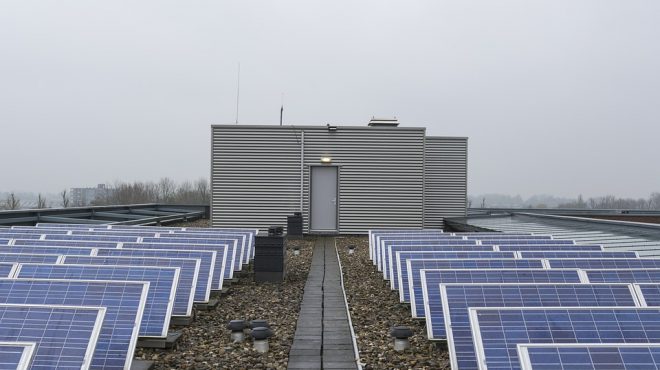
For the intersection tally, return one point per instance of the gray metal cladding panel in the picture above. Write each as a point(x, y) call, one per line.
point(380, 175)
point(445, 179)
point(255, 175)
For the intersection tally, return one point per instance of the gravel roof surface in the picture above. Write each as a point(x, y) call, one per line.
point(374, 309)
point(206, 342)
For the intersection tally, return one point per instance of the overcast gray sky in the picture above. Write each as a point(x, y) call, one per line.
point(559, 97)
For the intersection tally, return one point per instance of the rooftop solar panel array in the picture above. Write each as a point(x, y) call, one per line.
point(538, 273)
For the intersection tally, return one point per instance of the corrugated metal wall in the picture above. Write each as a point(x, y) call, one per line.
point(445, 193)
point(380, 175)
point(256, 175)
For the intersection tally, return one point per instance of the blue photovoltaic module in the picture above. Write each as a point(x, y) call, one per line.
point(399, 278)
point(6, 269)
point(457, 298)
point(19, 235)
point(16, 355)
point(552, 247)
point(509, 237)
point(428, 289)
point(28, 249)
point(524, 242)
point(93, 238)
point(124, 302)
point(66, 243)
point(390, 253)
point(381, 239)
point(577, 254)
point(206, 259)
point(414, 267)
point(56, 330)
point(29, 258)
point(160, 298)
point(643, 275)
point(603, 263)
point(225, 256)
point(572, 356)
point(498, 331)
point(386, 241)
point(106, 232)
point(189, 273)
point(4, 241)
point(242, 240)
point(193, 243)
point(374, 237)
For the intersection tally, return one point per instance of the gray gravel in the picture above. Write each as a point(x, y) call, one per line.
point(206, 343)
point(375, 309)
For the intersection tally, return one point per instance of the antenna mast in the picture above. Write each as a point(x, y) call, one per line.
point(238, 90)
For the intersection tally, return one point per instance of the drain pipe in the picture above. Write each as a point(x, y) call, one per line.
point(348, 313)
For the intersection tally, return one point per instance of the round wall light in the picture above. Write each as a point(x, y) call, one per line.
point(326, 160)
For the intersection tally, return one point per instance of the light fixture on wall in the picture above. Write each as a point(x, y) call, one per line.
point(326, 160)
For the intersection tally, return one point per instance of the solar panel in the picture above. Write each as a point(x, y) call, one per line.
point(134, 233)
point(66, 243)
point(186, 287)
point(499, 330)
point(7, 269)
point(193, 243)
point(19, 235)
point(375, 233)
point(525, 242)
point(16, 355)
point(568, 356)
point(457, 298)
point(242, 240)
point(414, 267)
point(427, 292)
point(399, 278)
point(604, 263)
point(51, 225)
point(31, 231)
point(206, 263)
point(124, 302)
point(160, 298)
point(379, 237)
point(642, 275)
point(4, 241)
point(65, 335)
point(549, 247)
point(28, 249)
point(392, 249)
point(29, 258)
point(384, 242)
point(95, 238)
point(223, 268)
point(509, 236)
point(566, 254)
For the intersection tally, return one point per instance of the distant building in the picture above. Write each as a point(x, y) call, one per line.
point(84, 196)
point(344, 179)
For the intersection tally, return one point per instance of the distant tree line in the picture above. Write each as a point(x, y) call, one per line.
point(612, 202)
point(165, 190)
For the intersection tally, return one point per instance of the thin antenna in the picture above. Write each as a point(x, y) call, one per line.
point(238, 90)
point(282, 109)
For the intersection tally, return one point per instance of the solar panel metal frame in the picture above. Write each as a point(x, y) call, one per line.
point(578, 254)
point(139, 313)
point(226, 268)
point(57, 260)
point(401, 265)
point(46, 249)
point(474, 322)
point(388, 262)
point(212, 258)
point(168, 311)
point(26, 354)
point(447, 311)
point(628, 261)
point(189, 295)
point(96, 330)
point(423, 301)
point(526, 263)
point(526, 362)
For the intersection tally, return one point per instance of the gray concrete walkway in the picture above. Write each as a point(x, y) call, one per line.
point(323, 335)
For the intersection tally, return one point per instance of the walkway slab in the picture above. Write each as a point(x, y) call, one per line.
point(323, 334)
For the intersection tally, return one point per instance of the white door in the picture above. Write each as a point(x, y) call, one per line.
point(324, 198)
